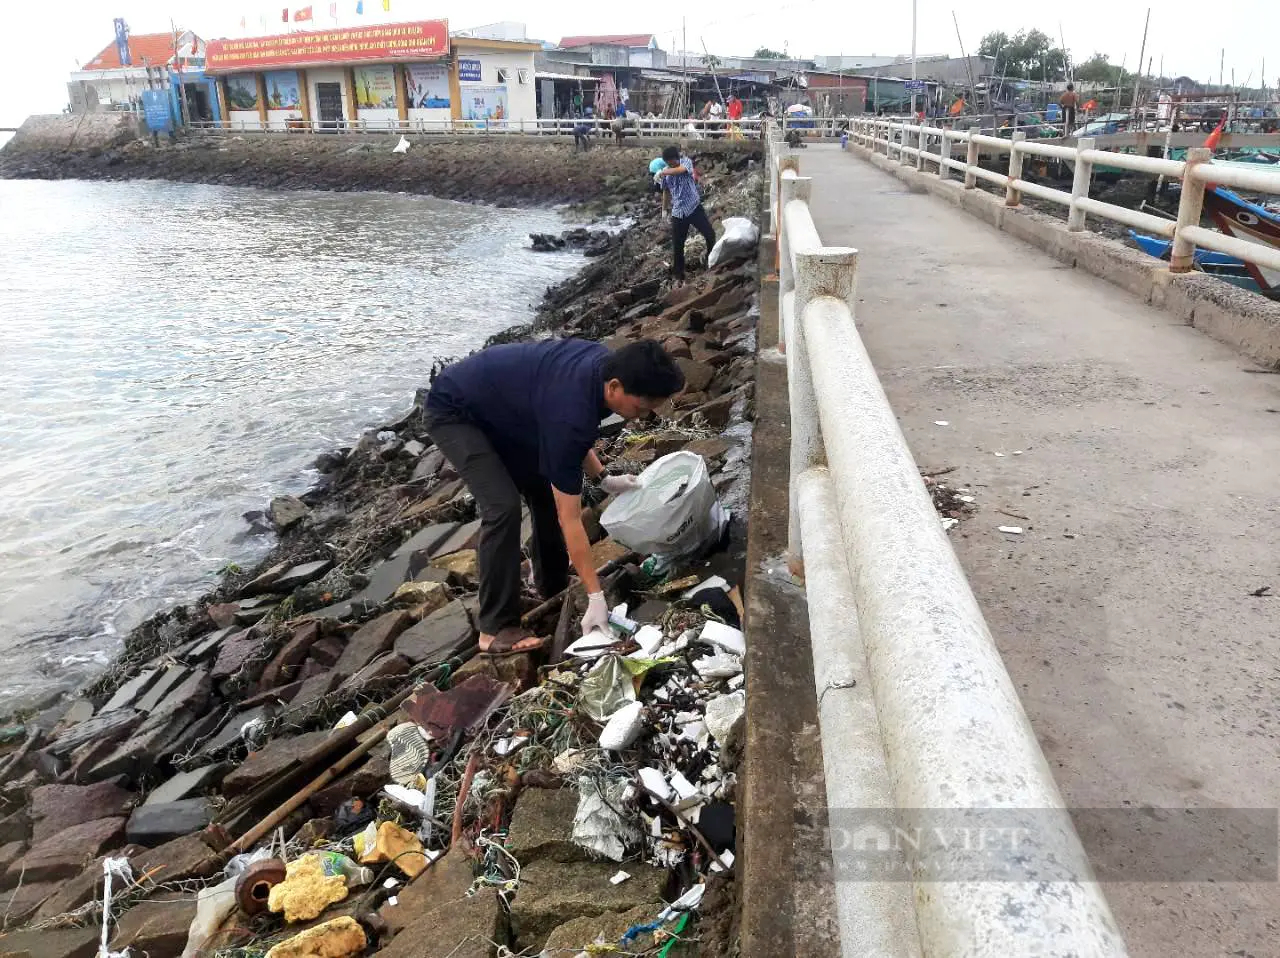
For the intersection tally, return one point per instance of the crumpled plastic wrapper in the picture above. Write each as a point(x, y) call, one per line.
point(607, 688)
point(596, 826)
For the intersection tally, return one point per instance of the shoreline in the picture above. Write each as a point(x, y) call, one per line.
point(190, 676)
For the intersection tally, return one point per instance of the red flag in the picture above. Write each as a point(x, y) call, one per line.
point(301, 15)
point(1212, 140)
point(957, 108)
point(1090, 106)
point(284, 15)
point(333, 9)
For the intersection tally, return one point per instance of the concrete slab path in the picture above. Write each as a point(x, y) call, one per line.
point(1144, 464)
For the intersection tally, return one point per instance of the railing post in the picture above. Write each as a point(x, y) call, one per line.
point(903, 156)
point(1190, 206)
point(1011, 195)
point(944, 154)
point(971, 163)
point(1080, 184)
point(829, 271)
point(921, 140)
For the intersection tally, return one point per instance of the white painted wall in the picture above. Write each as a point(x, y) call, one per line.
point(336, 75)
point(522, 98)
point(277, 119)
point(379, 119)
point(245, 120)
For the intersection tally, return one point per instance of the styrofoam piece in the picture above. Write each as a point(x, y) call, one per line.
point(683, 787)
point(718, 665)
point(737, 682)
point(723, 637)
point(941, 422)
point(391, 883)
point(1012, 530)
point(714, 582)
point(655, 782)
point(689, 901)
point(726, 856)
point(694, 731)
point(619, 878)
point(724, 717)
point(650, 638)
point(623, 727)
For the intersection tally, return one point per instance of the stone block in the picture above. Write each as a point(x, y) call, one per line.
point(155, 824)
point(284, 666)
point(553, 893)
point(230, 731)
point(50, 943)
point(715, 413)
point(465, 536)
point(442, 883)
point(177, 860)
point(697, 376)
point(573, 937)
point(459, 929)
point(65, 854)
point(385, 665)
point(302, 574)
point(287, 511)
point(276, 756)
point(54, 808)
point(542, 826)
point(370, 640)
point(441, 634)
point(192, 695)
point(131, 691)
point(170, 679)
point(428, 466)
point(709, 449)
point(463, 567)
point(234, 653)
point(156, 927)
point(315, 688)
point(206, 646)
point(17, 905)
point(520, 670)
point(109, 727)
point(327, 651)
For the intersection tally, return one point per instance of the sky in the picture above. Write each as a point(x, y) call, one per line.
point(42, 42)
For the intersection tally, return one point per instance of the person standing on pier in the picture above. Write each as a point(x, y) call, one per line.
point(1068, 103)
point(520, 421)
point(682, 197)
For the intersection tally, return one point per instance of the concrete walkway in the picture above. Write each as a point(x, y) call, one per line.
point(1144, 465)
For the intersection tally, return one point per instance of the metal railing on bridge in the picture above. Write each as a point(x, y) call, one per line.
point(936, 146)
point(918, 714)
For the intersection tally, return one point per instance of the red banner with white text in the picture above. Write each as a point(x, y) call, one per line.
point(387, 42)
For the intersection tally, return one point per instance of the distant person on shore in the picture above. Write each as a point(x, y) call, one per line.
point(519, 422)
point(1069, 101)
point(682, 197)
point(582, 136)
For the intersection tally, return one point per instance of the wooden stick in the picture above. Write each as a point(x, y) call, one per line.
point(16, 758)
point(693, 829)
point(463, 792)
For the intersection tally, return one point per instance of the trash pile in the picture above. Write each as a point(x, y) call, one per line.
point(316, 760)
point(952, 502)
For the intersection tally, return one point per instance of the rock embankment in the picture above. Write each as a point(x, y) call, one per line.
point(503, 171)
point(328, 709)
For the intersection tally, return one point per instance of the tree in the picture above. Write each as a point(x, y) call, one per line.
point(1027, 54)
point(764, 53)
point(1099, 69)
point(711, 61)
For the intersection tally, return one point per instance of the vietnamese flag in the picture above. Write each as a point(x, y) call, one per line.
point(1211, 142)
point(302, 15)
point(957, 107)
point(284, 15)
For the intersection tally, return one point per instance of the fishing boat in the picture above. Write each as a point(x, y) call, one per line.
point(1237, 217)
point(1163, 249)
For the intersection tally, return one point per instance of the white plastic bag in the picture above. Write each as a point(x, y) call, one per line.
point(674, 511)
point(740, 236)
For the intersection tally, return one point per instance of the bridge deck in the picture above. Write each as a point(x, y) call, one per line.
point(1148, 476)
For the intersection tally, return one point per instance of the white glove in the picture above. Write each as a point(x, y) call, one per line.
point(597, 616)
point(617, 485)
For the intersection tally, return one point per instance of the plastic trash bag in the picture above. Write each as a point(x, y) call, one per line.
point(740, 236)
point(674, 512)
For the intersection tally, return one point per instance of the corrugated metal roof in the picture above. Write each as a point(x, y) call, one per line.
point(563, 76)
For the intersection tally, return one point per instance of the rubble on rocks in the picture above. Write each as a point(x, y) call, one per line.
point(557, 799)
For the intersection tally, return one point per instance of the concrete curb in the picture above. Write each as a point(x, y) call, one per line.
point(1231, 315)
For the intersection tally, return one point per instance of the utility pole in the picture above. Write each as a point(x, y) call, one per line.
point(1142, 52)
point(1222, 58)
point(684, 65)
point(913, 57)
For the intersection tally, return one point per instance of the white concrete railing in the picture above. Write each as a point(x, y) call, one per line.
point(1195, 173)
point(916, 709)
point(600, 127)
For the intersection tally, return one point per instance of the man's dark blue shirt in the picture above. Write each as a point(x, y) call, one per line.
point(540, 404)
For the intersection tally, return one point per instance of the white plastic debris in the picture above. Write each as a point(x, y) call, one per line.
point(694, 731)
point(739, 236)
point(683, 787)
point(213, 905)
point(650, 639)
point(1012, 530)
point(623, 727)
point(391, 883)
point(737, 681)
point(393, 901)
point(999, 455)
point(967, 498)
point(689, 901)
point(715, 582)
point(948, 524)
point(1017, 452)
point(654, 781)
point(402, 146)
point(941, 422)
point(348, 719)
point(718, 665)
point(724, 637)
point(619, 878)
point(592, 645)
point(726, 856)
point(112, 868)
point(596, 824)
point(505, 746)
point(413, 800)
point(724, 717)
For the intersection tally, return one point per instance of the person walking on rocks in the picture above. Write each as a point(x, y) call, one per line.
point(1069, 101)
point(520, 421)
point(682, 197)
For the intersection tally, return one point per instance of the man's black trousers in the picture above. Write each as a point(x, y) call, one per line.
point(680, 233)
point(498, 489)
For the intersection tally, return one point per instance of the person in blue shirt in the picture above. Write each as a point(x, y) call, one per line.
point(520, 421)
point(682, 197)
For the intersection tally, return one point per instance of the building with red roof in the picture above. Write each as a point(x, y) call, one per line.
point(104, 82)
